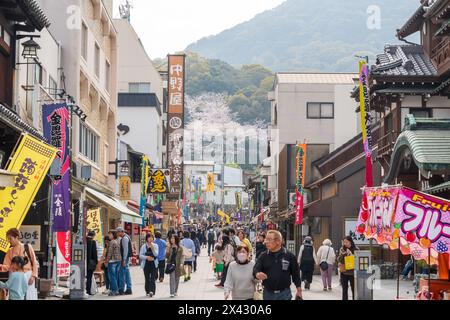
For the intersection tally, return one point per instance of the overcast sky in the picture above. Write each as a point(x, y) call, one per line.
point(167, 26)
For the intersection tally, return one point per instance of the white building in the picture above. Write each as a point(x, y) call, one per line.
point(141, 97)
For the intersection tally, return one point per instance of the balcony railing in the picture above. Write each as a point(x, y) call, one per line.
point(386, 143)
point(440, 53)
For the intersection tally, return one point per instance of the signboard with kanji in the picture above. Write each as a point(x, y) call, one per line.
point(94, 223)
point(31, 235)
point(125, 188)
point(176, 91)
point(159, 181)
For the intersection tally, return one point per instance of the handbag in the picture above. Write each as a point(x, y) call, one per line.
point(170, 267)
point(187, 253)
point(258, 294)
point(324, 264)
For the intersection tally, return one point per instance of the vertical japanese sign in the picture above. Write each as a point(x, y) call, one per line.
point(31, 161)
point(144, 183)
point(176, 120)
point(63, 254)
point(94, 223)
point(159, 181)
point(55, 120)
point(366, 119)
point(125, 188)
point(300, 183)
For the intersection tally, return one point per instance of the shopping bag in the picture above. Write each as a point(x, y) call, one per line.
point(187, 253)
point(349, 262)
point(258, 295)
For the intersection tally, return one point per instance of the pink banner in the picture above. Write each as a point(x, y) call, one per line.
point(420, 220)
point(63, 257)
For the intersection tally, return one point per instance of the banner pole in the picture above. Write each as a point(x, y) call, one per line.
point(398, 269)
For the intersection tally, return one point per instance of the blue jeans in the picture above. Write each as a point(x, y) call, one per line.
point(113, 272)
point(283, 295)
point(124, 276)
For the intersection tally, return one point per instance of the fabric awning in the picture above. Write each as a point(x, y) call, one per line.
point(115, 204)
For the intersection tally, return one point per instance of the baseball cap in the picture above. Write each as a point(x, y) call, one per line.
point(119, 229)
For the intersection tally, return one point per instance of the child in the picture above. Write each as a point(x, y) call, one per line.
point(17, 283)
point(218, 256)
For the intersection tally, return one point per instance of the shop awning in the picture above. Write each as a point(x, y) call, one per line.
point(115, 204)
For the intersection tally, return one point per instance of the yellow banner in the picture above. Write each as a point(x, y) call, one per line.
point(210, 182)
point(31, 160)
point(223, 215)
point(94, 223)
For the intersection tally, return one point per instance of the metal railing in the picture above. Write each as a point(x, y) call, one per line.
point(386, 143)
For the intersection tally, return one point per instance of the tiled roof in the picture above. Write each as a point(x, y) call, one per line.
point(317, 78)
point(12, 119)
point(413, 24)
point(34, 13)
point(429, 143)
point(404, 61)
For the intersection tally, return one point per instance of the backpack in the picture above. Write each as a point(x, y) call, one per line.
point(211, 236)
point(307, 254)
point(187, 253)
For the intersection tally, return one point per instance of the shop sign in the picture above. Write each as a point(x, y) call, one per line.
point(159, 181)
point(125, 187)
point(63, 254)
point(32, 236)
point(94, 223)
point(31, 160)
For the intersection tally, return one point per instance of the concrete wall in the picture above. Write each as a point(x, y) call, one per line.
point(134, 63)
point(144, 123)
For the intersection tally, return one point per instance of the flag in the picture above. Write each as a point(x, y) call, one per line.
point(210, 182)
point(300, 183)
point(144, 183)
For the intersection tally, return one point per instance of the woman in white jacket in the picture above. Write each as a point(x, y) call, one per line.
point(326, 258)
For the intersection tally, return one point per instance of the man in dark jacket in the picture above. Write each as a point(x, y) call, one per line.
point(126, 251)
point(275, 268)
point(91, 260)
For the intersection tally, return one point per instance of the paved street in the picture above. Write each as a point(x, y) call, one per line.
point(201, 287)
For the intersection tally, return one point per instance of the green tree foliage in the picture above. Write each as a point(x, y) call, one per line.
point(247, 87)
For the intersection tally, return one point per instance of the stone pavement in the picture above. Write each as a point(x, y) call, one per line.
point(201, 287)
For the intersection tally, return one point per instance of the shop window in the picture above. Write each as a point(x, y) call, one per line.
point(97, 60)
point(139, 87)
point(52, 87)
point(84, 41)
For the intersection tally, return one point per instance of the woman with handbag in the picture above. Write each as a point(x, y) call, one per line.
point(175, 264)
point(346, 264)
point(148, 256)
point(240, 282)
point(31, 267)
point(326, 258)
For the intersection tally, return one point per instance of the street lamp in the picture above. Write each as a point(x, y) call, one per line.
point(30, 49)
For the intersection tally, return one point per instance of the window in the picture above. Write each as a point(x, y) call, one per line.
point(420, 112)
point(88, 143)
point(37, 74)
point(52, 87)
point(97, 60)
point(107, 76)
point(316, 110)
point(84, 41)
point(139, 87)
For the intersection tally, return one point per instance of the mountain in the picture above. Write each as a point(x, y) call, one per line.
point(307, 35)
point(246, 87)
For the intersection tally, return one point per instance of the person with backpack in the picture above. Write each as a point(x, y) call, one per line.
point(198, 249)
point(126, 251)
point(91, 261)
point(307, 259)
point(18, 249)
point(211, 240)
point(326, 258)
point(188, 247)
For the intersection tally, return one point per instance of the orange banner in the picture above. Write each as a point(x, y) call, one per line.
point(300, 185)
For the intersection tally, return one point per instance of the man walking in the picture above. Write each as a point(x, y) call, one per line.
point(161, 255)
point(275, 268)
point(124, 271)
